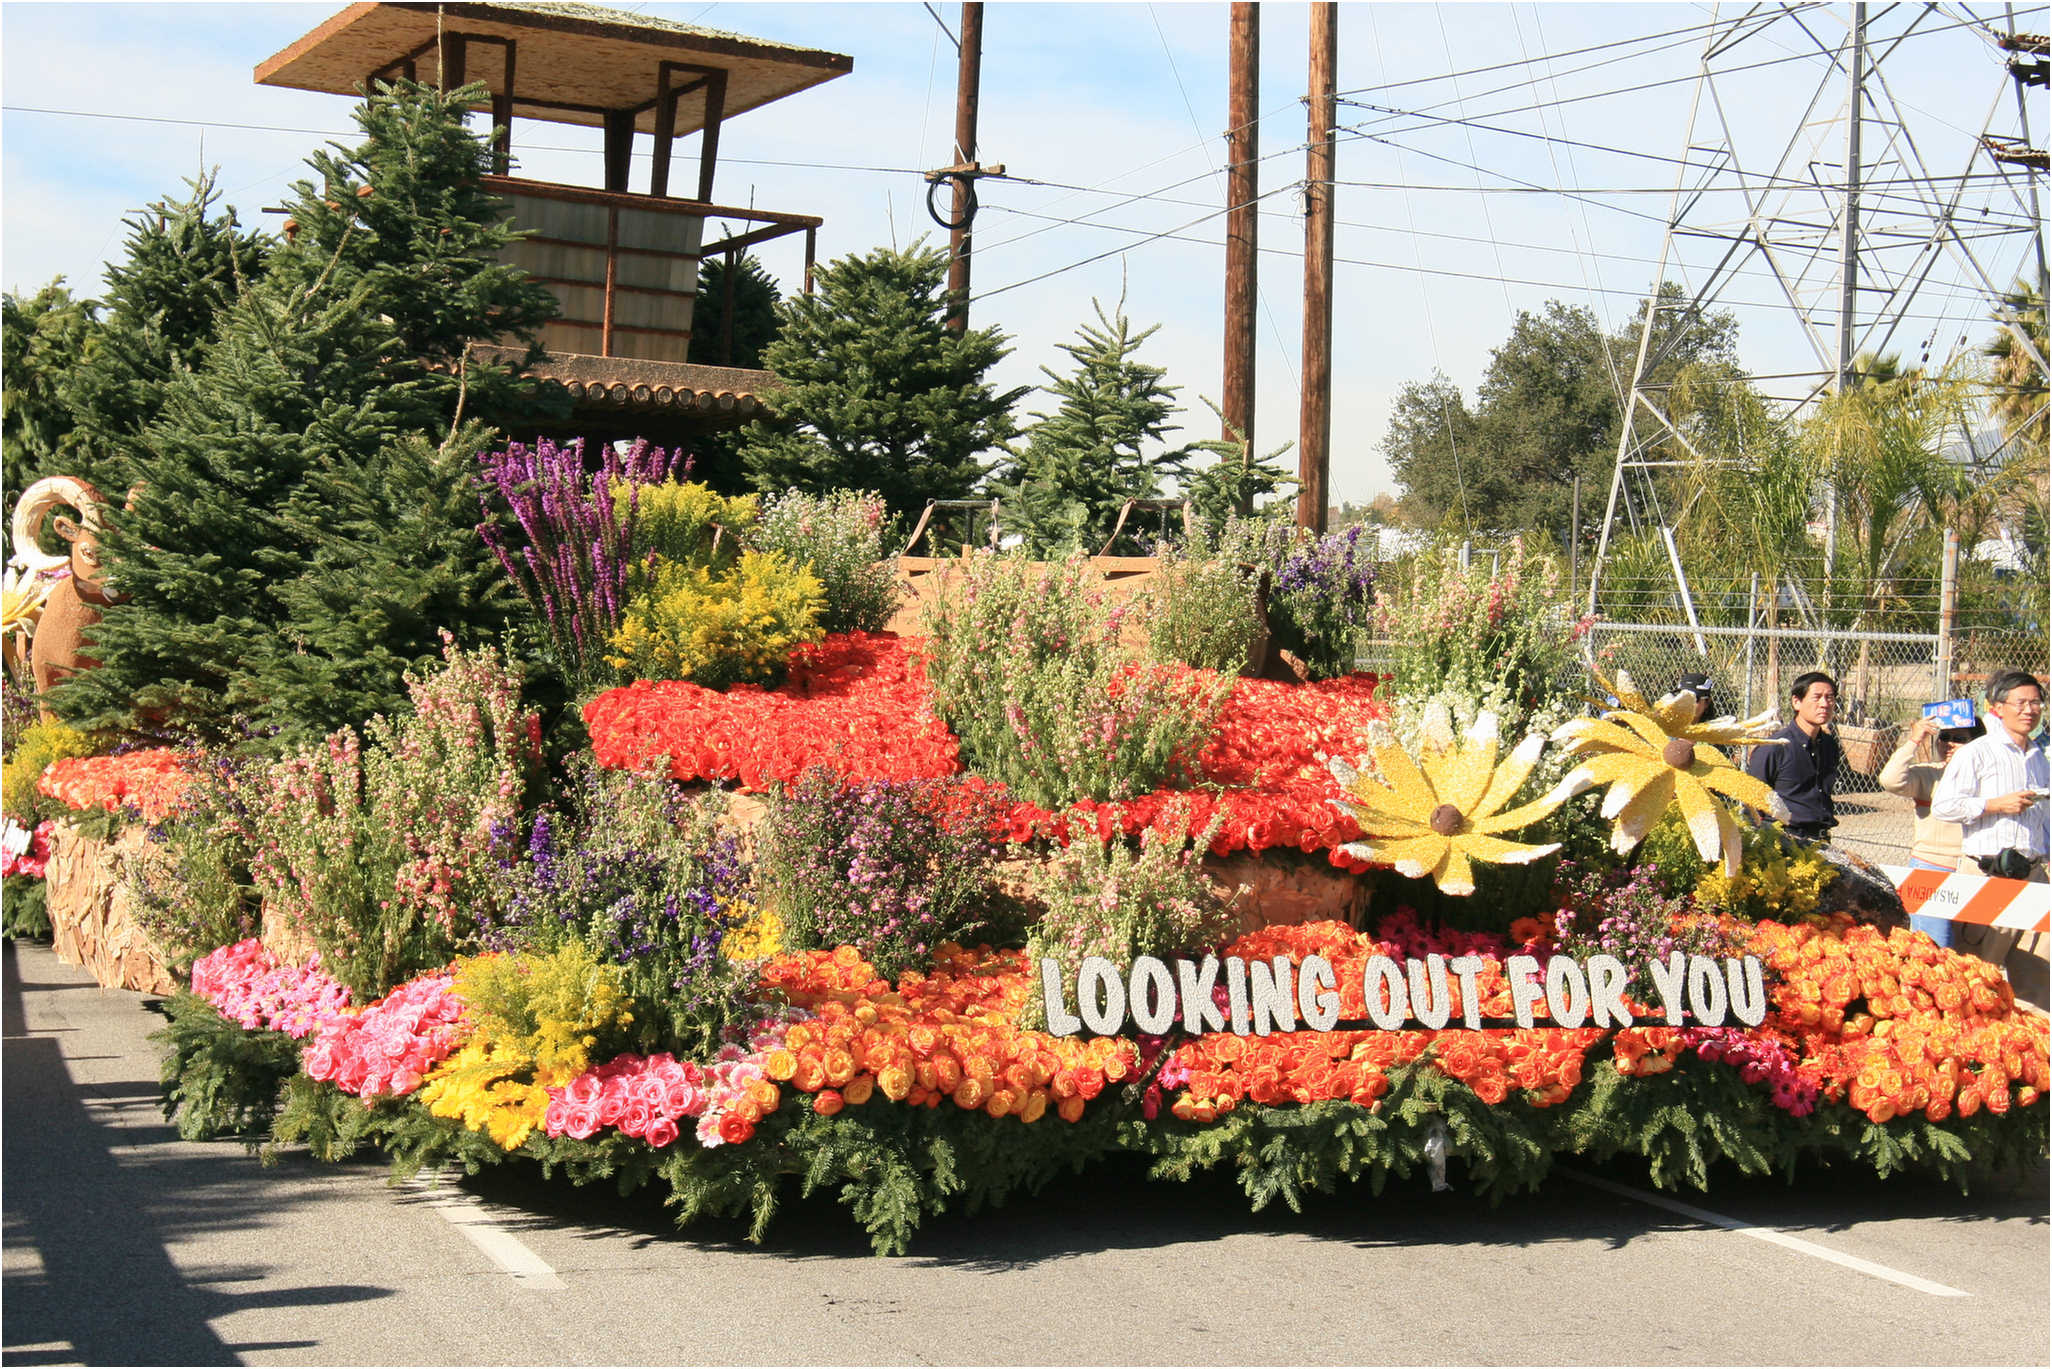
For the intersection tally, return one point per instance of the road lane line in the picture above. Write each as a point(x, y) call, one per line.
point(1770, 1235)
point(500, 1246)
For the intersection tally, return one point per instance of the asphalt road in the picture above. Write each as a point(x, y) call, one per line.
point(124, 1244)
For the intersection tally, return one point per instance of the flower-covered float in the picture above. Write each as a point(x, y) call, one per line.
point(787, 901)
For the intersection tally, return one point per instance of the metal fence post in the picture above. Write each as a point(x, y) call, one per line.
point(1948, 607)
point(1752, 621)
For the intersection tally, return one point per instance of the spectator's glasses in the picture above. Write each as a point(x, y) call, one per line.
point(2026, 705)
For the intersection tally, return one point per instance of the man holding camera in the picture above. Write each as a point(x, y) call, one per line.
point(1996, 786)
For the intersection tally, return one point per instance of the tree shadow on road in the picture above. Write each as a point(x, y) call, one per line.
point(1113, 1206)
point(94, 1204)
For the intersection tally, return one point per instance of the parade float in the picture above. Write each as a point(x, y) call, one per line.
point(480, 804)
point(923, 921)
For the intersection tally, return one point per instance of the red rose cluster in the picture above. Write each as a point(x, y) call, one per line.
point(858, 703)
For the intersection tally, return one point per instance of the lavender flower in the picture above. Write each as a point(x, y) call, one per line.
point(573, 569)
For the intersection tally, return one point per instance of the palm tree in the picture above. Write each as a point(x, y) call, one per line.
point(2019, 401)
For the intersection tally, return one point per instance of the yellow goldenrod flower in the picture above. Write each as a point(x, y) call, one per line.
point(1438, 813)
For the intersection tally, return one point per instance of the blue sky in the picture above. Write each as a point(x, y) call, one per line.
point(1118, 108)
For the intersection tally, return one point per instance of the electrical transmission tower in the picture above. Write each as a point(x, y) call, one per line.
point(1845, 223)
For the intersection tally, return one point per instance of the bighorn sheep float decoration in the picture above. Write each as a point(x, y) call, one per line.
point(75, 602)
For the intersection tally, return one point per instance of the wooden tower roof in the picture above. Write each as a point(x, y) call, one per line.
point(577, 62)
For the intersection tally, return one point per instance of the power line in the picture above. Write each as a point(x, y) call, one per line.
point(1688, 30)
point(1557, 101)
point(1141, 242)
point(1181, 234)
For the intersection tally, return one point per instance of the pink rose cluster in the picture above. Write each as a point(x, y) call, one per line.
point(389, 1046)
point(643, 1096)
point(735, 1085)
point(25, 851)
point(247, 985)
point(1759, 1060)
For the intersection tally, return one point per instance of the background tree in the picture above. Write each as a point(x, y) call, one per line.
point(1549, 408)
point(42, 339)
point(1238, 482)
point(877, 393)
point(755, 313)
point(1080, 464)
point(182, 264)
point(306, 519)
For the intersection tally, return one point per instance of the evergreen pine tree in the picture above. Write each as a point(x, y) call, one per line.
point(405, 217)
point(1237, 481)
point(216, 528)
point(1087, 458)
point(305, 526)
point(182, 266)
point(877, 392)
point(755, 313)
point(42, 339)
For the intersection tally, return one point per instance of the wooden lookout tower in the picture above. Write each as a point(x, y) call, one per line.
point(622, 260)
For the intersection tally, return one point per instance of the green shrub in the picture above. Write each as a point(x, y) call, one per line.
point(27, 916)
point(843, 538)
point(189, 884)
point(1109, 899)
point(218, 1078)
point(1201, 613)
point(1027, 669)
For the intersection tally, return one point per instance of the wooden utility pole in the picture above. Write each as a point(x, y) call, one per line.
point(1314, 423)
point(1243, 193)
point(968, 91)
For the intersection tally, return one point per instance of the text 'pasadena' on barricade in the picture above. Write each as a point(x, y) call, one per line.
point(1269, 996)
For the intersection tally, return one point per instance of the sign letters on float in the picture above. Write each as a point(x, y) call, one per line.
point(1264, 996)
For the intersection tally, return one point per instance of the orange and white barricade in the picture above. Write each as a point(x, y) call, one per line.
point(1973, 899)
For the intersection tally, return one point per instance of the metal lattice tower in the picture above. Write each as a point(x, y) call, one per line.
point(1853, 229)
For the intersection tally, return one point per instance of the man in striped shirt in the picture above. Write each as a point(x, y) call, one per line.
point(1996, 787)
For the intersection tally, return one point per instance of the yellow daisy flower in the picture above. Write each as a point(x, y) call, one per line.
point(1438, 814)
point(1656, 754)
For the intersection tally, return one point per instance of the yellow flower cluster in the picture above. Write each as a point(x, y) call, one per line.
point(675, 519)
point(1773, 882)
point(758, 936)
point(717, 627)
point(537, 1019)
point(477, 1087)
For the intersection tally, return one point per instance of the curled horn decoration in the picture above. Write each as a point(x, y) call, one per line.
point(34, 508)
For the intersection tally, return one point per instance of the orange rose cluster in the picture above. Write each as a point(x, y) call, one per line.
point(1888, 1023)
point(945, 1036)
point(152, 781)
point(1896, 1025)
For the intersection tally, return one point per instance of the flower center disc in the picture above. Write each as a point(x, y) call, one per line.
point(1679, 753)
point(1447, 820)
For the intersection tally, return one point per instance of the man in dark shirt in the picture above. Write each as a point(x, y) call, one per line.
point(1805, 770)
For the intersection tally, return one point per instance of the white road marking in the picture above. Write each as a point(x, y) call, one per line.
point(500, 1246)
point(1769, 1235)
